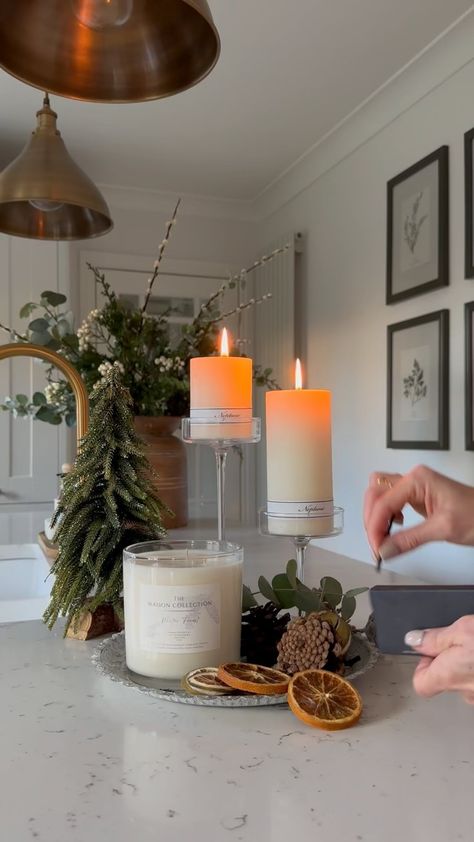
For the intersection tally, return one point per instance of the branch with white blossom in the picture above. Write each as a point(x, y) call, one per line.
point(14, 333)
point(161, 249)
point(234, 279)
point(266, 258)
point(240, 308)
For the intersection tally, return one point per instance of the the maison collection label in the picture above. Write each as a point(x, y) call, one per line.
point(180, 619)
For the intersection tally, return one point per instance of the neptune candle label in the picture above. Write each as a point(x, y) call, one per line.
point(179, 619)
point(302, 509)
point(222, 415)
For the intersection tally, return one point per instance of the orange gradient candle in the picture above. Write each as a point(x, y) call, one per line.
point(299, 460)
point(221, 395)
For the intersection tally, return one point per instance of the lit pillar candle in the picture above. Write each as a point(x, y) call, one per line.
point(221, 395)
point(299, 460)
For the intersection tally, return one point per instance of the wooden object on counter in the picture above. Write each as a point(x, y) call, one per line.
point(50, 550)
point(89, 624)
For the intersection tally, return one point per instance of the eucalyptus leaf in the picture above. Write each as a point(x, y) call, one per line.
point(348, 607)
point(284, 591)
point(267, 591)
point(69, 317)
point(53, 298)
point(291, 569)
point(63, 327)
point(39, 325)
point(48, 415)
point(307, 601)
point(70, 419)
point(27, 309)
point(248, 599)
point(39, 399)
point(356, 591)
point(21, 399)
point(302, 587)
point(40, 338)
point(331, 591)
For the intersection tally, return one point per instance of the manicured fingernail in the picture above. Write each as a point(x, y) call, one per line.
point(388, 549)
point(414, 638)
point(375, 555)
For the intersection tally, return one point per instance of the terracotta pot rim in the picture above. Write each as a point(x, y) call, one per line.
point(166, 424)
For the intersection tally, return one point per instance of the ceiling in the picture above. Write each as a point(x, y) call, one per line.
point(289, 71)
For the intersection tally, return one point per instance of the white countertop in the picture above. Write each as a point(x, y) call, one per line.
point(84, 759)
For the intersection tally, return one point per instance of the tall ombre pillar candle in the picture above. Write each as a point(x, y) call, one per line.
point(221, 395)
point(299, 461)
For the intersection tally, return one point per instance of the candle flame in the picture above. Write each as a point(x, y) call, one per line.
point(224, 343)
point(298, 375)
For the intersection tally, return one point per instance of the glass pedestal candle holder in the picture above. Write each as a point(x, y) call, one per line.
point(301, 530)
point(183, 604)
point(222, 436)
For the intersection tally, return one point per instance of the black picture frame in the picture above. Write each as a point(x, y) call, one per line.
point(468, 375)
point(423, 427)
point(468, 202)
point(409, 274)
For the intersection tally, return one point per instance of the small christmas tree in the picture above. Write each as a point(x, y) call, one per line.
point(108, 501)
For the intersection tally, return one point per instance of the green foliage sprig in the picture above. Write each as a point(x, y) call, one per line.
point(287, 591)
point(155, 372)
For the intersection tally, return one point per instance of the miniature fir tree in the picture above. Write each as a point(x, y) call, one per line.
point(108, 501)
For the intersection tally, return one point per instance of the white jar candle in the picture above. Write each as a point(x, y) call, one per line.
point(183, 604)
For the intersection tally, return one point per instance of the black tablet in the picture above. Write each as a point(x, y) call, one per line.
point(402, 608)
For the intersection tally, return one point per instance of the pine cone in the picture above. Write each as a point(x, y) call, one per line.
point(262, 629)
point(307, 643)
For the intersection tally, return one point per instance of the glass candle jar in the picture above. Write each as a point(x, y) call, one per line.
point(183, 604)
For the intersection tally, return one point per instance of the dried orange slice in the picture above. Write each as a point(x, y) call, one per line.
point(253, 678)
point(324, 700)
point(204, 682)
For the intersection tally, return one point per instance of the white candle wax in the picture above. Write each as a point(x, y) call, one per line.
point(182, 607)
point(299, 462)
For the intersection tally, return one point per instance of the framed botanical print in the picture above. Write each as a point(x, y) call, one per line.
point(418, 382)
point(418, 228)
point(469, 374)
point(468, 196)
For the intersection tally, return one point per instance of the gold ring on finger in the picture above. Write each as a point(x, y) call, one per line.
point(384, 482)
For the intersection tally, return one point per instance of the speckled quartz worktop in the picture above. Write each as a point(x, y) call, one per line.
point(85, 759)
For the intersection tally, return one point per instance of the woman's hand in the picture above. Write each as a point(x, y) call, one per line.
point(448, 662)
point(446, 505)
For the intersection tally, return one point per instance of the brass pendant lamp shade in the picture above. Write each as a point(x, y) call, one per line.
point(108, 50)
point(45, 195)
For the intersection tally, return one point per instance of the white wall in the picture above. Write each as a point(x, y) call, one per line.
point(343, 214)
point(210, 231)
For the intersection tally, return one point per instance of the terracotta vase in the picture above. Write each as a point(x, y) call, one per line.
point(167, 455)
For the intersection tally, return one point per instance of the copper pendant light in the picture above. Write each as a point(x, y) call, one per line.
point(108, 50)
point(45, 195)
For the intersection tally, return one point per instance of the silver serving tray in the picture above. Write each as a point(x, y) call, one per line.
point(109, 658)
